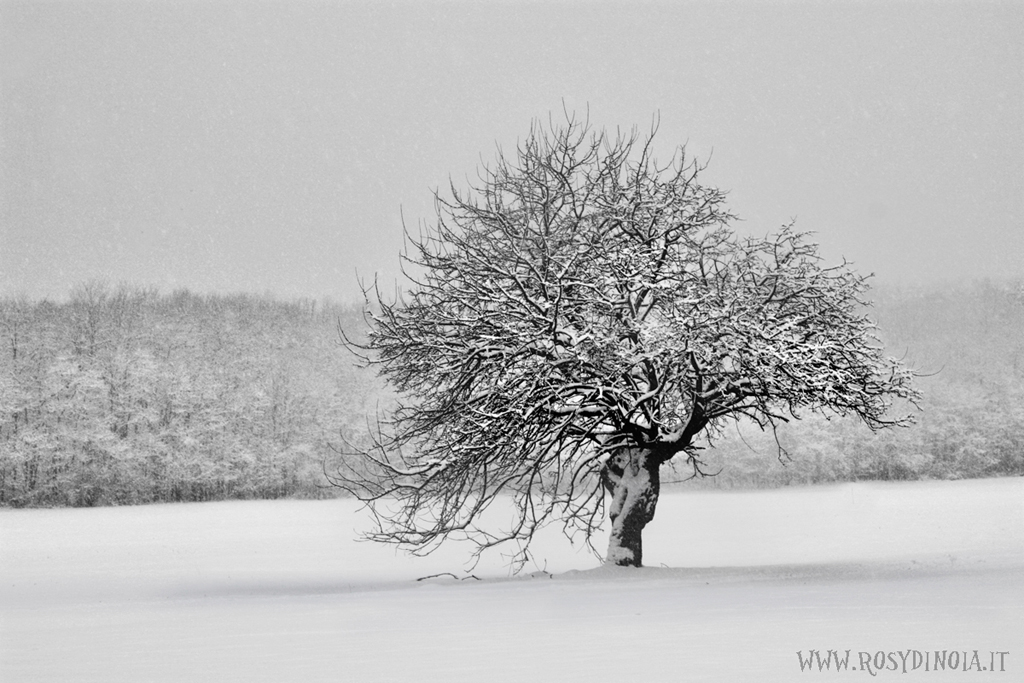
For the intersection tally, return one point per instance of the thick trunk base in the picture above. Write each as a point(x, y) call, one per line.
point(631, 478)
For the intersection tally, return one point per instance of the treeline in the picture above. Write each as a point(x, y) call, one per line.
point(967, 344)
point(123, 395)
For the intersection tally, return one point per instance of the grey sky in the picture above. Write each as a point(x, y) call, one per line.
point(248, 146)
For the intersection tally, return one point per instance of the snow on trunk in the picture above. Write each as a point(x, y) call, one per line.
point(631, 477)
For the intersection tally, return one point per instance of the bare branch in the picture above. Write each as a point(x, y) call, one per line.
point(583, 302)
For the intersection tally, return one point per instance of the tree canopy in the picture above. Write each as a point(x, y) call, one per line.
point(582, 316)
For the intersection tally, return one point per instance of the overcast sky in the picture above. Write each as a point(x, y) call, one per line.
point(245, 146)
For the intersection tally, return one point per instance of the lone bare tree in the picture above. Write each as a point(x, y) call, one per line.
point(582, 317)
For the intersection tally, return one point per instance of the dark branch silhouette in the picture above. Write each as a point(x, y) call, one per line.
point(579, 319)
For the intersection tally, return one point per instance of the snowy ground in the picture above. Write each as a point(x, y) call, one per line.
point(737, 583)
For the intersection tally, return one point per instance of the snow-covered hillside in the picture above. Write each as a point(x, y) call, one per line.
point(737, 584)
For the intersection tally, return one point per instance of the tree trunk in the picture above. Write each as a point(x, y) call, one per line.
point(631, 477)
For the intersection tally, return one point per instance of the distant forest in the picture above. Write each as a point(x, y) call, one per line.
point(967, 345)
point(123, 395)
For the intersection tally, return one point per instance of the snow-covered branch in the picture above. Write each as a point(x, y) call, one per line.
point(584, 300)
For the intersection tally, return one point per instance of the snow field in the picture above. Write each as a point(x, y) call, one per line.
point(278, 591)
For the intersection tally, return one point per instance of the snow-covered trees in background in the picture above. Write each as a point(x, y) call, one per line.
point(122, 395)
point(198, 390)
point(579, 320)
point(967, 341)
